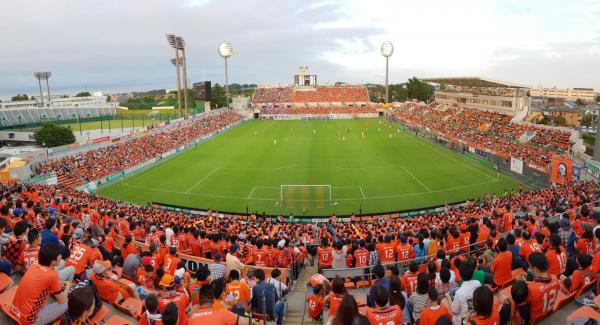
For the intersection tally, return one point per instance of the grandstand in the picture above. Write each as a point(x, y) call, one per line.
point(313, 100)
point(34, 116)
point(536, 246)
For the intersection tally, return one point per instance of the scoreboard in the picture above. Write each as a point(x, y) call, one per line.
point(305, 80)
point(202, 91)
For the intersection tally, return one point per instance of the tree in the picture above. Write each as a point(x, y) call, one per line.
point(579, 102)
point(52, 135)
point(19, 97)
point(560, 121)
point(587, 120)
point(83, 94)
point(218, 96)
point(416, 89)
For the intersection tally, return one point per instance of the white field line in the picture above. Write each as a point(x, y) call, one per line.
point(200, 181)
point(349, 199)
point(250, 195)
point(416, 179)
point(363, 193)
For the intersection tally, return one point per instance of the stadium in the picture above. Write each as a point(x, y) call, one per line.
point(303, 203)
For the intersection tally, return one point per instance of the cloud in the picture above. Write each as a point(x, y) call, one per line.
point(120, 45)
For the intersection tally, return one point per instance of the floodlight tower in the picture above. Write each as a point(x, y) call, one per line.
point(172, 39)
point(387, 49)
point(181, 46)
point(39, 76)
point(225, 51)
point(43, 76)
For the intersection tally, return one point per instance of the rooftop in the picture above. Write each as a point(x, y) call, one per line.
point(472, 82)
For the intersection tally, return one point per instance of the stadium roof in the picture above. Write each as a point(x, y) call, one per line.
point(473, 82)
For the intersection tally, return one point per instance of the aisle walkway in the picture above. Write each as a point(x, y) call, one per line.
point(296, 300)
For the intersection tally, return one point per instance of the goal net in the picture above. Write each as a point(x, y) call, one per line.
point(305, 196)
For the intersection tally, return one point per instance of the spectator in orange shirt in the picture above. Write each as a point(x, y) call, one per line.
point(29, 303)
point(108, 288)
point(581, 277)
point(315, 303)
point(171, 261)
point(207, 314)
point(171, 315)
point(151, 316)
point(484, 310)
point(502, 264)
point(82, 257)
point(81, 305)
point(434, 310)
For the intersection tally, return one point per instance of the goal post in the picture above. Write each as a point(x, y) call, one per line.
point(305, 196)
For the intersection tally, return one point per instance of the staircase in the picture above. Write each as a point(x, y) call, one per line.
point(296, 302)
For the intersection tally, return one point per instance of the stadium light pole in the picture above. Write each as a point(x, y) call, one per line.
point(172, 39)
point(225, 51)
point(387, 49)
point(43, 76)
point(181, 46)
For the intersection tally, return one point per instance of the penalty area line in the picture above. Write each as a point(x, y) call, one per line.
point(200, 181)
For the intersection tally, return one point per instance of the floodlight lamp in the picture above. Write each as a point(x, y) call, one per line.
point(225, 49)
point(387, 49)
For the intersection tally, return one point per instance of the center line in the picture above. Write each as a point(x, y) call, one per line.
point(200, 181)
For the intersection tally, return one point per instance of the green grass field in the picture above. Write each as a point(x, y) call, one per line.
point(243, 169)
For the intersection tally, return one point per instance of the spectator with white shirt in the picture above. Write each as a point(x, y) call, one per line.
point(280, 287)
point(232, 262)
point(462, 304)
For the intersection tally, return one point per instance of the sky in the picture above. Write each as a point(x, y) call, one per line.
point(120, 45)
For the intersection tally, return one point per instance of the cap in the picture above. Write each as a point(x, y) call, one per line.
point(101, 266)
point(179, 273)
point(146, 260)
point(167, 280)
point(233, 248)
point(51, 211)
point(153, 228)
point(94, 242)
point(217, 257)
point(281, 243)
point(78, 233)
point(564, 223)
point(17, 211)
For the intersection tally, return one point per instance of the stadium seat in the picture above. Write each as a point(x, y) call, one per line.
point(585, 288)
point(100, 315)
point(131, 306)
point(585, 312)
point(262, 317)
point(6, 299)
point(562, 299)
point(5, 282)
point(118, 320)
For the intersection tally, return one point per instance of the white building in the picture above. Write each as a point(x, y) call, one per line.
point(587, 95)
point(69, 102)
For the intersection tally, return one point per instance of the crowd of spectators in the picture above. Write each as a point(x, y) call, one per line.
point(95, 164)
point(449, 265)
point(72, 236)
point(486, 130)
point(320, 110)
point(316, 94)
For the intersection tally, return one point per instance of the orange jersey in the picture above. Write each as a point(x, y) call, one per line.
point(530, 246)
point(409, 281)
point(361, 257)
point(81, 257)
point(315, 305)
point(29, 257)
point(179, 298)
point(405, 252)
point(317, 279)
point(580, 278)
point(557, 263)
point(430, 315)
point(541, 296)
point(240, 292)
point(325, 256)
point(386, 252)
point(171, 264)
point(35, 287)
point(260, 257)
point(502, 268)
point(334, 302)
point(386, 315)
point(212, 316)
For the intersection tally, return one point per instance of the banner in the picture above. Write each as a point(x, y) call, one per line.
point(561, 170)
point(46, 179)
point(516, 165)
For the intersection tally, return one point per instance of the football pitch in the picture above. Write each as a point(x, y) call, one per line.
point(316, 167)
